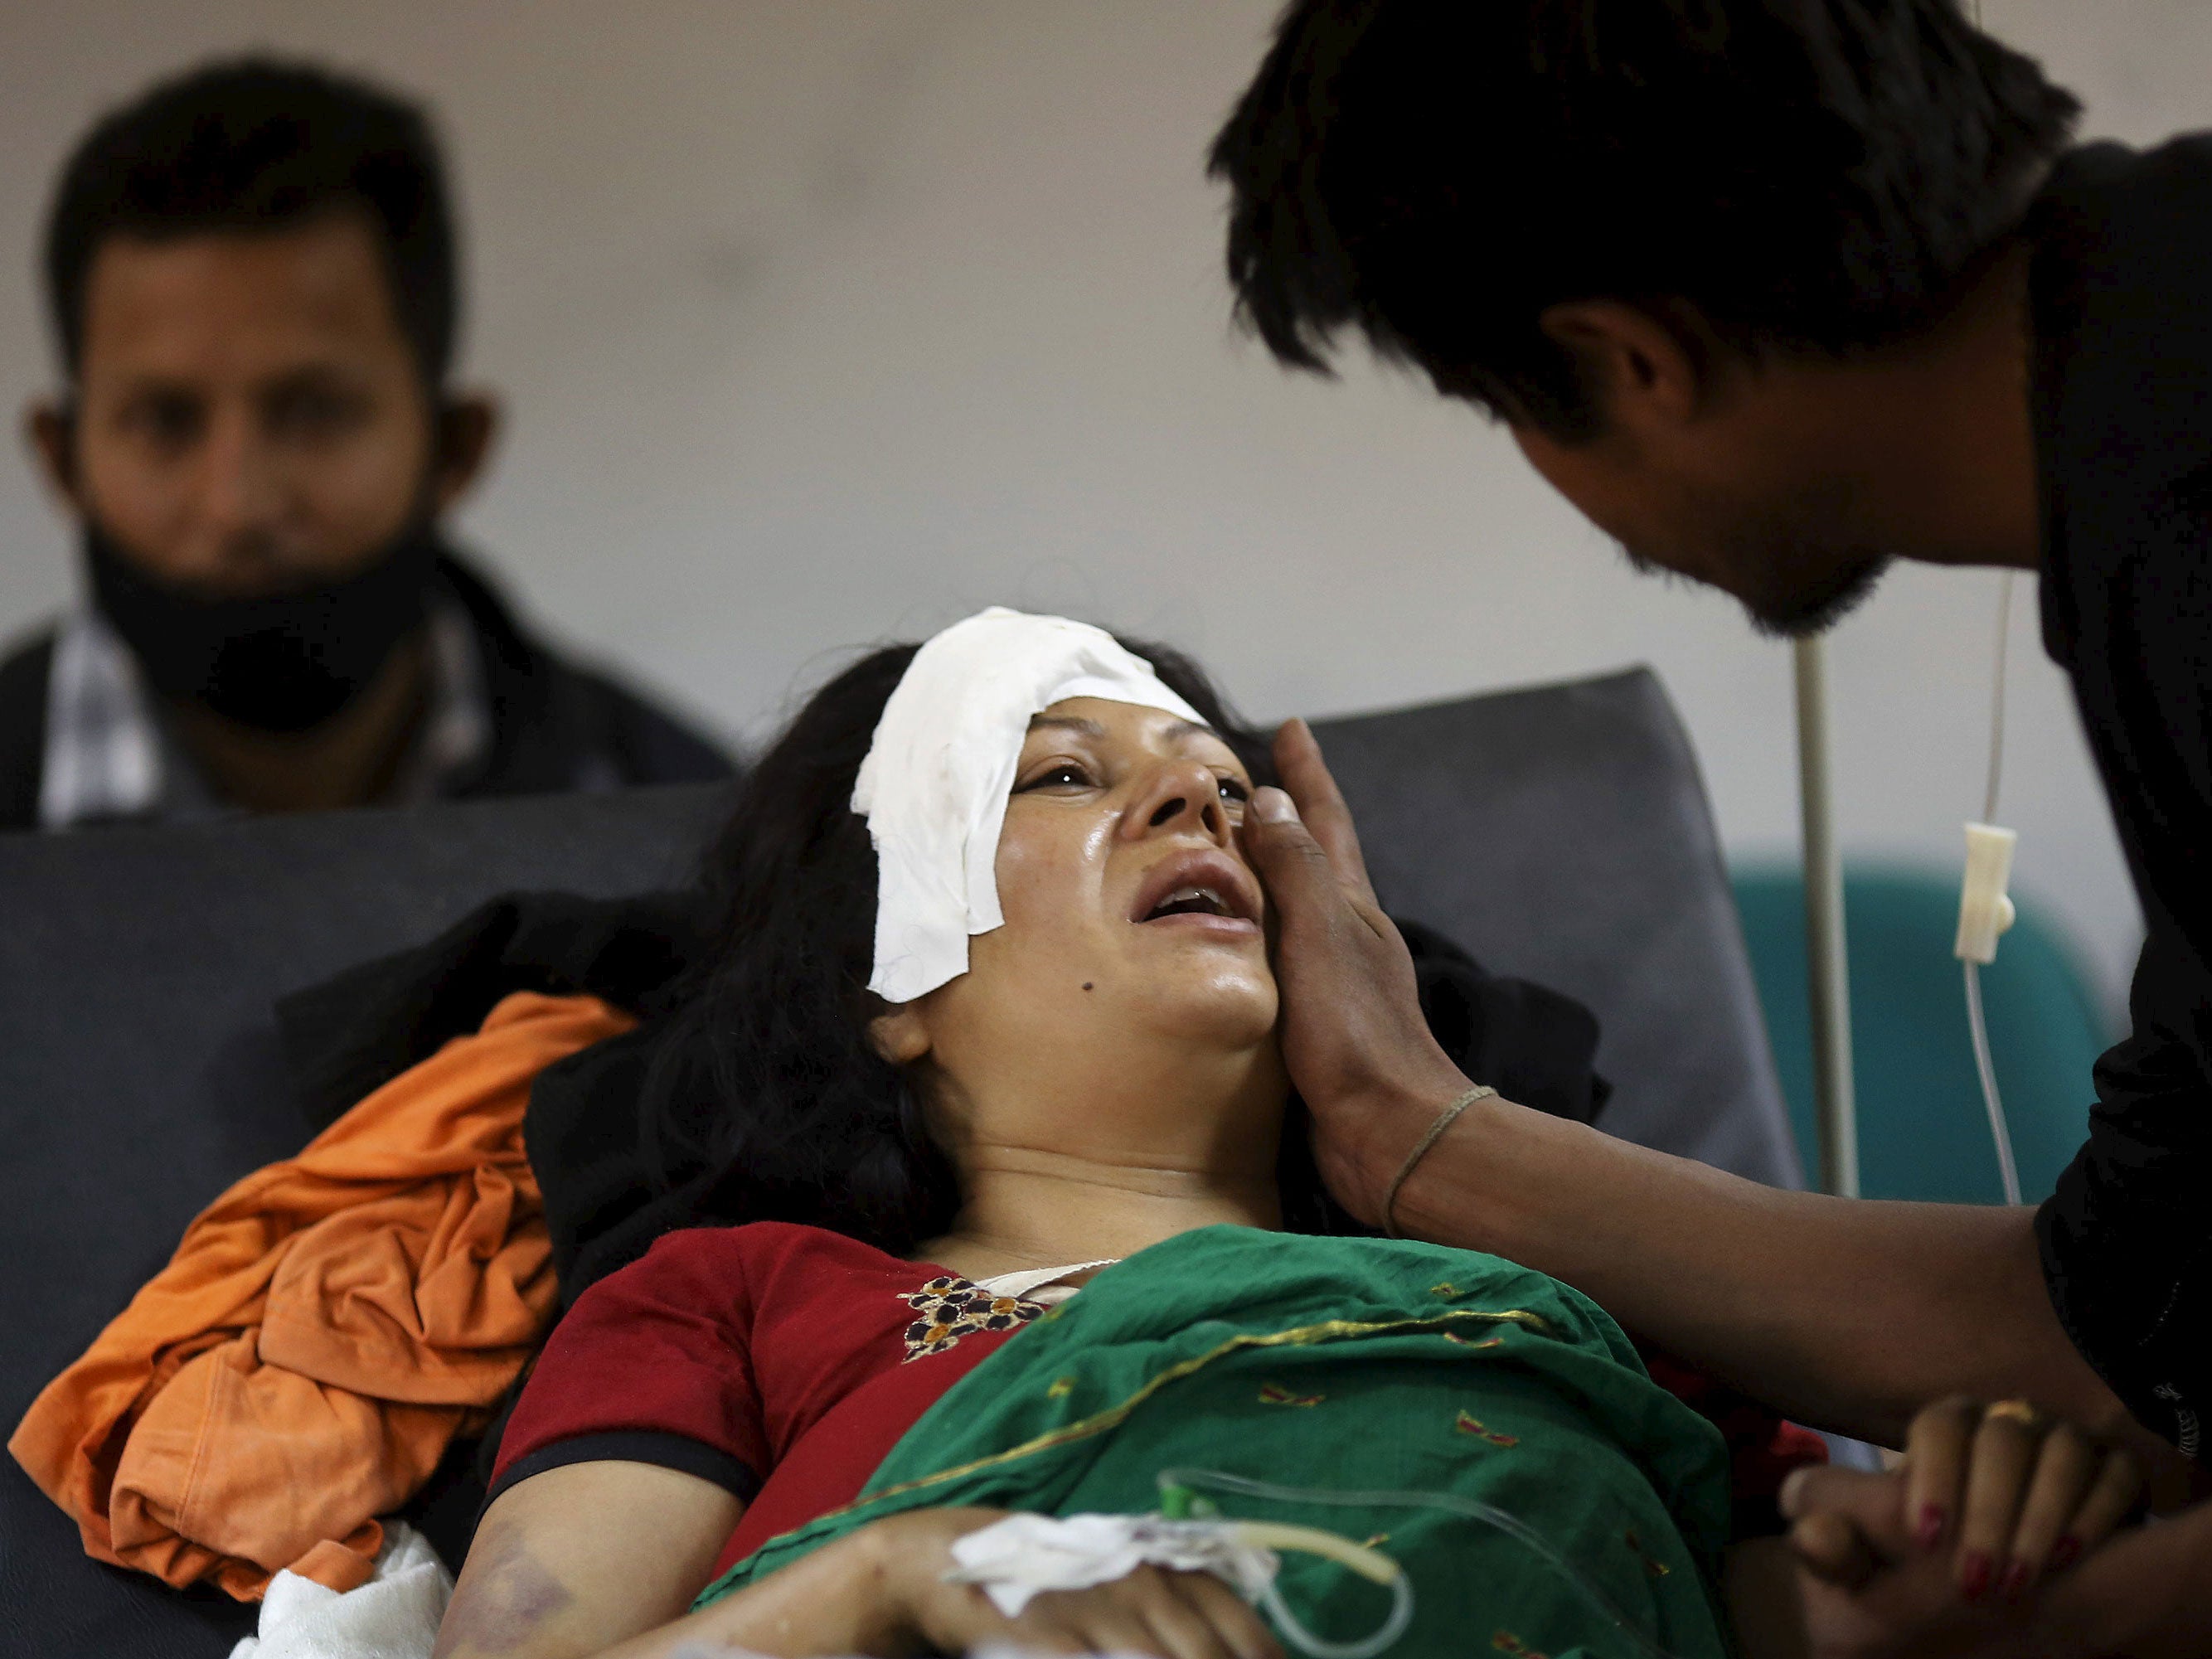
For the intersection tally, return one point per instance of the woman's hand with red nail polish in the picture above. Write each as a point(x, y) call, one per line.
point(1869, 1591)
point(1949, 1553)
point(1930, 1533)
point(2024, 1481)
point(2001, 1483)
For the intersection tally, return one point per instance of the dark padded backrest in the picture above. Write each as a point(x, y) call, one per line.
point(140, 1075)
point(1560, 833)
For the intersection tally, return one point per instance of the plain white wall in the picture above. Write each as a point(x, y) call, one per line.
point(821, 323)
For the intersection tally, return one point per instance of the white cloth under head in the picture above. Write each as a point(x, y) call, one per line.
point(1025, 1555)
point(934, 784)
point(395, 1615)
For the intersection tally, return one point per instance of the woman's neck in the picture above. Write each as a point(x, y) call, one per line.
point(1068, 1156)
point(1030, 1208)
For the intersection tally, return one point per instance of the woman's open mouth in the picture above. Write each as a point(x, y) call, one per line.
point(1191, 902)
point(1203, 888)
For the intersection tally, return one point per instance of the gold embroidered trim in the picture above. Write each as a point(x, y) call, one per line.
point(1115, 1416)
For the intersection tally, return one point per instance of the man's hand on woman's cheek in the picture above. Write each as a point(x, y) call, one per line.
point(1354, 1039)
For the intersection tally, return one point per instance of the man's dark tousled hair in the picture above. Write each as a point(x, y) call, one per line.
point(261, 144)
point(766, 1079)
point(1808, 175)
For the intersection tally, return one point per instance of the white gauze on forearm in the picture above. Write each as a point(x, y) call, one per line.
point(934, 784)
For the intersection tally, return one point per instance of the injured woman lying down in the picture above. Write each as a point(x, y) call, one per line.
point(1060, 1342)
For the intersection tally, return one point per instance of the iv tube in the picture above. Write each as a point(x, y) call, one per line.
point(1451, 1503)
point(1976, 1027)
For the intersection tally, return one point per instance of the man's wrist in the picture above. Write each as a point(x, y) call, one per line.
point(1440, 1198)
point(1438, 1128)
point(1394, 1120)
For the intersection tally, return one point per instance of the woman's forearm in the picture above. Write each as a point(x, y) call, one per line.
point(833, 1600)
point(1846, 1313)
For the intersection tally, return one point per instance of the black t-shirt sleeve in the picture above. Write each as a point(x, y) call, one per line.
point(2122, 378)
point(2127, 1252)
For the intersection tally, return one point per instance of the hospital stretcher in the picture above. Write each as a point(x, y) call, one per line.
point(1561, 833)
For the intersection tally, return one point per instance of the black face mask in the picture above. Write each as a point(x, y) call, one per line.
point(283, 663)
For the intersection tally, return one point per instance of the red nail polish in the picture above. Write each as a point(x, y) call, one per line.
point(2014, 1584)
point(2065, 1552)
point(1931, 1532)
point(1974, 1576)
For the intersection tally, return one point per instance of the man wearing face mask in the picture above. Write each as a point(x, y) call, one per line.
point(251, 275)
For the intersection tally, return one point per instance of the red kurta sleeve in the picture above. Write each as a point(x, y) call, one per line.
point(651, 1366)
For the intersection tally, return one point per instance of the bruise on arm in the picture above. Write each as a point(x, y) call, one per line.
point(570, 1562)
point(512, 1593)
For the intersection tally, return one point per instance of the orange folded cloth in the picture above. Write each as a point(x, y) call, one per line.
point(325, 1330)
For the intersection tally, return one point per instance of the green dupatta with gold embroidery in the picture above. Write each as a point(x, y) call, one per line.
point(1351, 1365)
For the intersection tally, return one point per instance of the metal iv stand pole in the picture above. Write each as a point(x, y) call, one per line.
point(1826, 961)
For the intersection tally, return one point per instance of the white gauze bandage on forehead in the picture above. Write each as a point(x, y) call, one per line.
point(934, 784)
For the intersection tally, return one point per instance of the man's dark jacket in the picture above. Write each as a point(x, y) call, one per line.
point(554, 727)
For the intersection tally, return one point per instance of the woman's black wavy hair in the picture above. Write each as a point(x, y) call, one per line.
point(766, 1080)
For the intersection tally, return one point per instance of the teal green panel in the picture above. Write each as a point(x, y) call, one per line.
point(1922, 1131)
